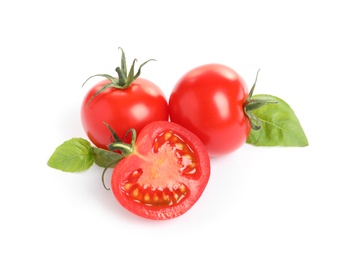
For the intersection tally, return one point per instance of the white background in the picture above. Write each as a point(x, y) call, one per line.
point(260, 203)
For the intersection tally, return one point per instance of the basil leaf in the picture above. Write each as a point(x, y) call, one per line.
point(280, 125)
point(74, 155)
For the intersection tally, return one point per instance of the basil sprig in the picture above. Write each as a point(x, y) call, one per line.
point(77, 154)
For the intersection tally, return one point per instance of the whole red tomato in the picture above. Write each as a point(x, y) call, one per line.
point(122, 102)
point(209, 101)
point(164, 172)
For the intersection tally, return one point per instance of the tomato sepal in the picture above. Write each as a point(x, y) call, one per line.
point(124, 79)
point(252, 104)
point(119, 145)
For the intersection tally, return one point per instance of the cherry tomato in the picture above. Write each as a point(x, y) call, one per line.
point(164, 175)
point(209, 101)
point(134, 107)
point(122, 102)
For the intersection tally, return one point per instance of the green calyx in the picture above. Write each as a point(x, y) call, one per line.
point(119, 145)
point(252, 104)
point(124, 79)
point(119, 148)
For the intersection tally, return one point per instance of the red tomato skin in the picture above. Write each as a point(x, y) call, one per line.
point(208, 100)
point(134, 107)
point(144, 144)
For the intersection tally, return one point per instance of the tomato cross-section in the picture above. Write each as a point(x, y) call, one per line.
point(165, 175)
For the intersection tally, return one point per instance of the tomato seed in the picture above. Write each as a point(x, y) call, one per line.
point(167, 135)
point(182, 189)
point(176, 196)
point(179, 146)
point(135, 193)
point(127, 186)
point(146, 198)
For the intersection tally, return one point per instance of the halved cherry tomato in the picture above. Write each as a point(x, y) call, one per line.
point(165, 174)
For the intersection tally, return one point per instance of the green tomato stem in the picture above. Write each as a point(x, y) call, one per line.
point(124, 79)
point(253, 104)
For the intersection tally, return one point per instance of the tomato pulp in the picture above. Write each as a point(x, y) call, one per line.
point(208, 100)
point(133, 107)
point(165, 174)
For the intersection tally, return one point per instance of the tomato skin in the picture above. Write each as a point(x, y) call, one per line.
point(134, 107)
point(146, 159)
point(208, 100)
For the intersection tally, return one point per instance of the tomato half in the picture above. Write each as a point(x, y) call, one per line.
point(133, 107)
point(165, 174)
point(208, 100)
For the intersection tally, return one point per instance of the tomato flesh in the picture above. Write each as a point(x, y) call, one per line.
point(165, 176)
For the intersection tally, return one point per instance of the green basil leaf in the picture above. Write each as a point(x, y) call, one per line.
point(280, 125)
point(74, 155)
